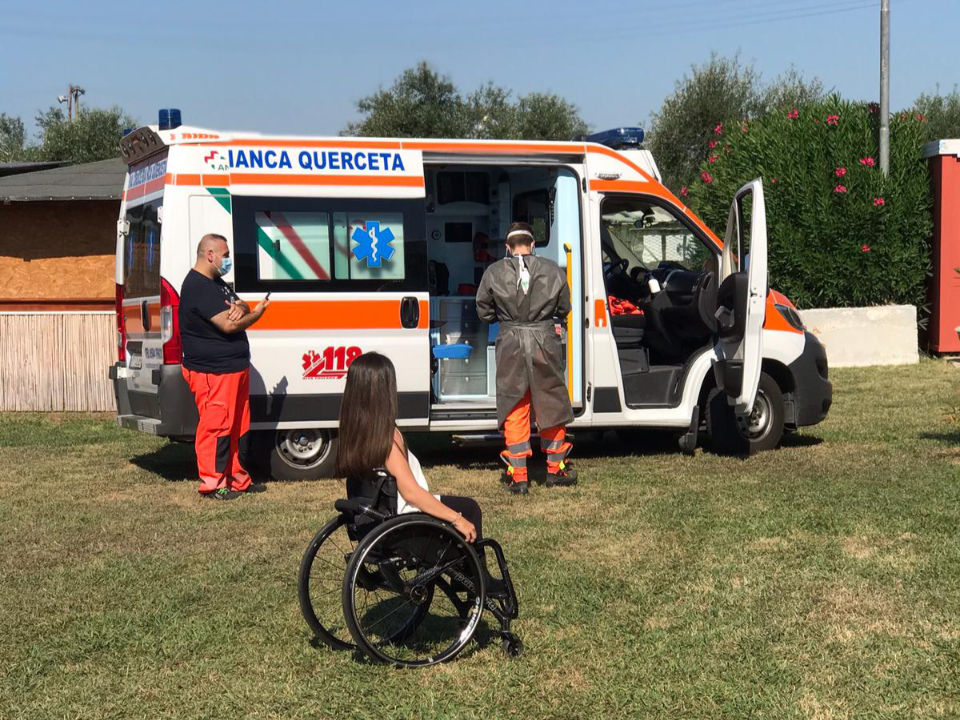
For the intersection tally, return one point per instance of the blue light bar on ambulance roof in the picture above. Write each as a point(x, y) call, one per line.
point(618, 138)
point(169, 118)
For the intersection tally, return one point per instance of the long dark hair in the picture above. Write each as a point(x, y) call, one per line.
point(368, 415)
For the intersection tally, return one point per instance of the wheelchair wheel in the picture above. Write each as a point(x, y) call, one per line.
point(413, 592)
point(320, 581)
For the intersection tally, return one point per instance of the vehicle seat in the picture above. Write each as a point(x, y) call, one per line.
point(438, 278)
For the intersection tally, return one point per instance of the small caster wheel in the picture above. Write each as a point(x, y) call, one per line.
point(512, 646)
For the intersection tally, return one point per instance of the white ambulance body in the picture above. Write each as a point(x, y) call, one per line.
point(378, 245)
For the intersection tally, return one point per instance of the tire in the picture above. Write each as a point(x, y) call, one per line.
point(320, 580)
point(765, 424)
point(403, 623)
point(303, 454)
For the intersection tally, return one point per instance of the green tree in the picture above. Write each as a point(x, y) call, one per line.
point(721, 91)
point(12, 138)
point(93, 135)
point(942, 115)
point(423, 103)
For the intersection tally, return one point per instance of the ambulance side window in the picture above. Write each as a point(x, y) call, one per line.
point(293, 245)
point(328, 244)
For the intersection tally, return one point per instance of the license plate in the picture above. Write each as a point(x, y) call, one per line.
point(136, 362)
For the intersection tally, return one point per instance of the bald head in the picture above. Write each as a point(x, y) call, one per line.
point(212, 253)
point(210, 241)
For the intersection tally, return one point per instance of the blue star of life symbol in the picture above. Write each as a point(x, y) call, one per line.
point(373, 244)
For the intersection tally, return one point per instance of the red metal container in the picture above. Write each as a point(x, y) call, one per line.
point(944, 291)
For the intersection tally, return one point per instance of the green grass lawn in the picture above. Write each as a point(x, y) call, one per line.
point(821, 580)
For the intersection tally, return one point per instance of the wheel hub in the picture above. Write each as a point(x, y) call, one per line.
point(302, 447)
point(758, 422)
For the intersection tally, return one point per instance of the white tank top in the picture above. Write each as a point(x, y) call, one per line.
point(402, 505)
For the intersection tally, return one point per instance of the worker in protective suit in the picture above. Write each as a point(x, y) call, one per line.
point(524, 293)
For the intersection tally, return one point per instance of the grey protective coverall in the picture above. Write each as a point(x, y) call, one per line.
point(529, 351)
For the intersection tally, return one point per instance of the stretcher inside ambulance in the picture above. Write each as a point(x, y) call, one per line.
point(372, 244)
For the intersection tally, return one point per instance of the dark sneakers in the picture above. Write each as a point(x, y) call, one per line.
point(254, 488)
point(564, 477)
point(221, 494)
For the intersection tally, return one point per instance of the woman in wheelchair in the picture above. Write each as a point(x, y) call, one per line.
point(369, 439)
point(410, 566)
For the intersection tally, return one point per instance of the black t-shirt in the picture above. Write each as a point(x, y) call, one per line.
point(205, 347)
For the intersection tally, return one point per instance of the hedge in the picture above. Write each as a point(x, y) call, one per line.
point(840, 233)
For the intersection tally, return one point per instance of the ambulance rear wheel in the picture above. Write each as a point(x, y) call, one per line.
point(761, 430)
point(303, 454)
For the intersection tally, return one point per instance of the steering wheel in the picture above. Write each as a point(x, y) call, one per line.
point(617, 267)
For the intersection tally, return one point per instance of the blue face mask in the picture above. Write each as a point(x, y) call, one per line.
point(225, 265)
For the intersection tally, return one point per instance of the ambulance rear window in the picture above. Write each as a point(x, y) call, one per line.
point(141, 276)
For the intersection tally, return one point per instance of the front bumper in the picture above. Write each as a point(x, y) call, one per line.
point(813, 392)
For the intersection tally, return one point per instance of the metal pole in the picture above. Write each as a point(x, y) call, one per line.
point(885, 87)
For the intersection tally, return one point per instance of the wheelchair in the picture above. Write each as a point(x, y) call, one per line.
point(403, 589)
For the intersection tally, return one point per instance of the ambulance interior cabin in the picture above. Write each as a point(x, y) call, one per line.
point(468, 211)
point(661, 283)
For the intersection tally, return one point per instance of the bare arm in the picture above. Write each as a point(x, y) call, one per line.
point(226, 323)
point(415, 495)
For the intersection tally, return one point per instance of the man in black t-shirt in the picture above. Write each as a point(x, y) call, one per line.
point(216, 366)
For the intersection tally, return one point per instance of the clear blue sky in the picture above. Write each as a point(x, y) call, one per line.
point(299, 67)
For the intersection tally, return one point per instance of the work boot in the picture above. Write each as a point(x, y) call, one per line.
point(518, 487)
point(563, 477)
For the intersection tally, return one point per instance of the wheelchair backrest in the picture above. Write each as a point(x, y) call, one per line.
point(378, 489)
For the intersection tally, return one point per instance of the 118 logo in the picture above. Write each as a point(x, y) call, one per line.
point(333, 362)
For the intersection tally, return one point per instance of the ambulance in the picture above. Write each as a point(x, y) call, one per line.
point(370, 244)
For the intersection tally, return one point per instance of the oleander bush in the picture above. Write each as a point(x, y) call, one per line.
point(840, 233)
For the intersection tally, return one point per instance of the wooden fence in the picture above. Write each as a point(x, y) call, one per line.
point(57, 361)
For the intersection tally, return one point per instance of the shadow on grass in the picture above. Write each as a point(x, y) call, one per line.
point(174, 462)
point(947, 438)
point(795, 440)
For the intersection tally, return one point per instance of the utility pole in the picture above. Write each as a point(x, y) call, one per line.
point(72, 98)
point(885, 87)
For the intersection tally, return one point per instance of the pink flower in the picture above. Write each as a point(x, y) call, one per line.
point(840, 171)
point(921, 117)
point(877, 201)
point(873, 108)
point(903, 116)
point(793, 114)
point(840, 189)
point(684, 192)
point(712, 159)
point(773, 180)
point(707, 177)
point(833, 119)
point(727, 148)
point(868, 161)
point(718, 129)
point(865, 248)
point(712, 144)
point(743, 127)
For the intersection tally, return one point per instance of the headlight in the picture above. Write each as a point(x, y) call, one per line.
point(791, 316)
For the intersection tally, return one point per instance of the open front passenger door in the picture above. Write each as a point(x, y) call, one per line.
point(741, 299)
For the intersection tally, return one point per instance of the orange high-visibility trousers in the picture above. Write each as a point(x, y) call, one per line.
point(516, 432)
point(223, 401)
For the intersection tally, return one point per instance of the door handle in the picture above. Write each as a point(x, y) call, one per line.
point(409, 312)
point(145, 316)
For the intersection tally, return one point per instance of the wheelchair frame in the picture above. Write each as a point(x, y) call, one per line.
point(368, 524)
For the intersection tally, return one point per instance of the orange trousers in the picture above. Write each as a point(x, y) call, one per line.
point(223, 402)
point(516, 431)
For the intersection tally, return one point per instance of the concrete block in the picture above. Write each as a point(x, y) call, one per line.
point(855, 337)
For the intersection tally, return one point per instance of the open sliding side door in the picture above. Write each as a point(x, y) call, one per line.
point(741, 299)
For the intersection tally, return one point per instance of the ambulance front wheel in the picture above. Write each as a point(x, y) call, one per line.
point(761, 430)
point(303, 454)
